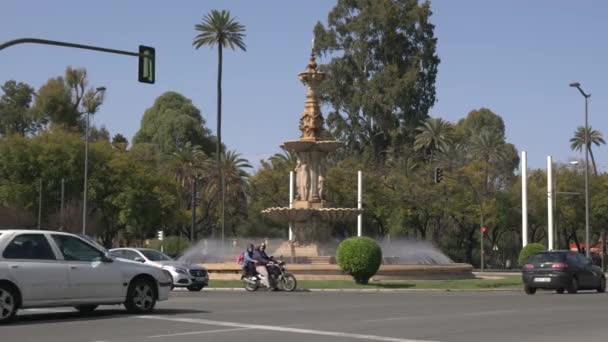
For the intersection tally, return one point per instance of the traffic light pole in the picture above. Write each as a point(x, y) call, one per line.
point(65, 44)
point(146, 54)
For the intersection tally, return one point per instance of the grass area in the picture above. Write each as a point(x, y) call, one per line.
point(459, 284)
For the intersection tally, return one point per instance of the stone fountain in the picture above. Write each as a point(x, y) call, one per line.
point(310, 214)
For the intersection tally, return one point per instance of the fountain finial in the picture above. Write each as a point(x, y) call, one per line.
point(311, 122)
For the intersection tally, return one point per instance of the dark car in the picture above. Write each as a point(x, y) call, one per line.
point(562, 271)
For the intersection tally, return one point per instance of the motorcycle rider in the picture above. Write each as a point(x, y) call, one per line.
point(248, 261)
point(262, 261)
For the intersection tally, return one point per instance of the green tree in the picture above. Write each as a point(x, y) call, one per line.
point(65, 100)
point(382, 71)
point(434, 134)
point(16, 115)
point(120, 142)
point(594, 137)
point(219, 28)
point(234, 168)
point(171, 123)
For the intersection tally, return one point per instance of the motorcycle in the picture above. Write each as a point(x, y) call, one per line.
point(280, 277)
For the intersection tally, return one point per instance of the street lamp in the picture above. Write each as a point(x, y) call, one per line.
point(586, 96)
point(86, 164)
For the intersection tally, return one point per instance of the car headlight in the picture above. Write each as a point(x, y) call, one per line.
point(177, 270)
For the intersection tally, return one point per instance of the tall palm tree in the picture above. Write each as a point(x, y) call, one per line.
point(219, 28)
point(594, 138)
point(434, 134)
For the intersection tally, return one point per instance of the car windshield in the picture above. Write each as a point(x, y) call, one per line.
point(547, 257)
point(93, 242)
point(153, 255)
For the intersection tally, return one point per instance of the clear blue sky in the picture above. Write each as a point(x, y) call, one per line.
point(516, 57)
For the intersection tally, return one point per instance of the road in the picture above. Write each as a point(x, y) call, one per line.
point(332, 317)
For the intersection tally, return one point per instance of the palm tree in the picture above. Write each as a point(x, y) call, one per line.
point(237, 185)
point(219, 28)
point(433, 135)
point(488, 146)
point(188, 164)
point(593, 138)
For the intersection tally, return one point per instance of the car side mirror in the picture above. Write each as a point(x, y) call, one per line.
point(139, 259)
point(107, 258)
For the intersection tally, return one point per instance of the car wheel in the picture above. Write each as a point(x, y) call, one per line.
point(560, 291)
point(573, 286)
point(8, 304)
point(602, 287)
point(530, 290)
point(195, 288)
point(86, 309)
point(141, 298)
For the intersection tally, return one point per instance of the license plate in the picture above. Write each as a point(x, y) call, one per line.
point(199, 279)
point(542, 280)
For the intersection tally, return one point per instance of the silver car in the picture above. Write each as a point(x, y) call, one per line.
point(41, 269)
point(191, 276)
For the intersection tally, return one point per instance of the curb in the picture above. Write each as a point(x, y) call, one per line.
point(239, 289)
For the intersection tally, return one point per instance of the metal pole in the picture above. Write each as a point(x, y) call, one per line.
point(86, 175)
point(193, 206)
point(61, 212)
point(481, 253)
point(587, 249)
point(524, 198)
point(359, 203)
point(291, 203)
point(39, 202)
point(550, 203)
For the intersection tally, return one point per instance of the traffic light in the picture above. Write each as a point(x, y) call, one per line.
point(438, 175)
point(147, 62)
point(160, 235)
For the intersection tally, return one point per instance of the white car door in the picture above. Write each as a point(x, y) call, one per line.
point(90, 277)
point(35, 268)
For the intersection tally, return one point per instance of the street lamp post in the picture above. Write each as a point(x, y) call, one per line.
point(586, 96)
point(86, 166)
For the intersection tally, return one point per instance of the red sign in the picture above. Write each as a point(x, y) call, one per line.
point(484, 229)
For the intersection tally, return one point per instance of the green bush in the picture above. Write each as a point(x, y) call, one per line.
point(172, 245)
point(530, 249)
point(360, 257)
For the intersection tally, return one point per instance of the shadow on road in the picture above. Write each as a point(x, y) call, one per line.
point(26, 317)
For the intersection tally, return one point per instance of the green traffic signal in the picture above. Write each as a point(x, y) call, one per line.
point(147, 59)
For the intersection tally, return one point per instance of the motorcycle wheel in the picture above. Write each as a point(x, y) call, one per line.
point(289, 282)
point(251, 287)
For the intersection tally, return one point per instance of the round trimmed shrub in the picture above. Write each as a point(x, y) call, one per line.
point(530, 249)
point(359, 257)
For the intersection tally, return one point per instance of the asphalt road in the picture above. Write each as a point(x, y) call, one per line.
point(332, 317)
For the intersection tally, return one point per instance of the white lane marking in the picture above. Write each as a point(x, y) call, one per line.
point(283, 329)
point(198, 332)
